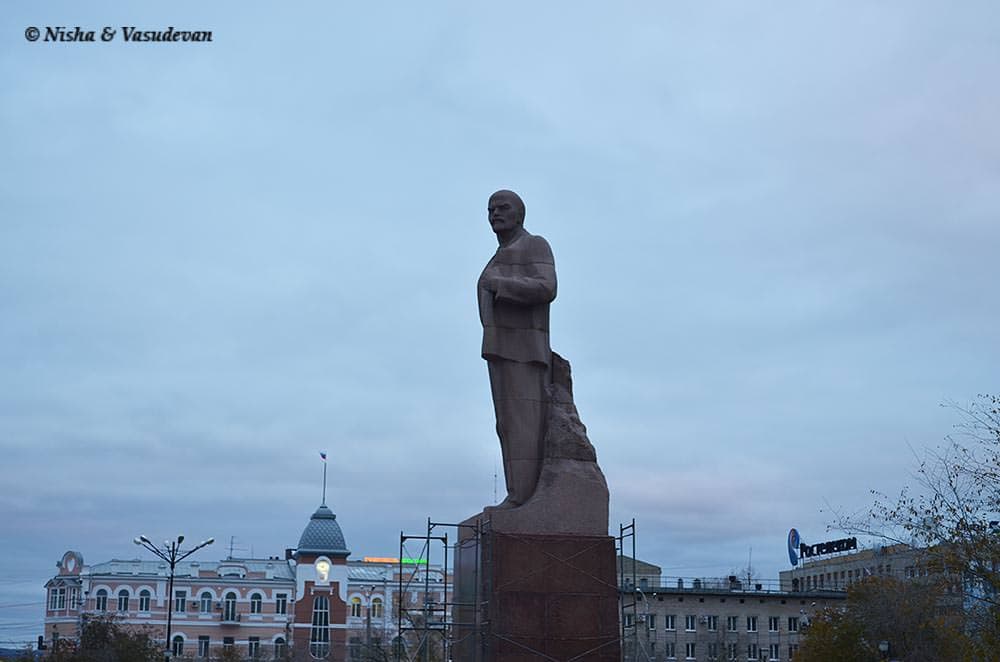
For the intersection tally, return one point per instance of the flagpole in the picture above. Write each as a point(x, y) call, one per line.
point(324, 481)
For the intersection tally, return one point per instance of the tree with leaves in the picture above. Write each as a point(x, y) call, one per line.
point(952, 513)
point(908, 616)
point(106, 639)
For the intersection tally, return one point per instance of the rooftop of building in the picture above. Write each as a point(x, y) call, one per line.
point(322, 535)
point(270, 568)
point(679, 586)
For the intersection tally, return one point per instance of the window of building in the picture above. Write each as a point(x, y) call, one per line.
point(712, 623)
point(123, 600)
point(689, 651)
point(102, 600)
point(793, 623)
point(319, 635)
point(752, 652)
point(731, 622)
point(651, 621)
point(256, 603)
point(204, 644)
point(74, 595)
point(690, 623)
point(751, 623)
point(281, 603)
point(629, 620)
point(178, 647)
point(205, 602)
point(180, 602)
point(279, 648)
point(228, 643)
point(773, 652)
point(772, 623)
point(356, 607)
point(253, 648)
point(731, 651)
point(713, 650)
point(668, 622)
point(354, 649)
point(793, 649)
point(57, 598)
point(670, 650)
point(144, 596)
point(378, 608)
point(229, 607)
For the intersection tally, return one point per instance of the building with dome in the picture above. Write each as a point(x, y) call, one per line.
point(312, 603)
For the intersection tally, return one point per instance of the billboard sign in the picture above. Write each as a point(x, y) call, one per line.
point(799, 550)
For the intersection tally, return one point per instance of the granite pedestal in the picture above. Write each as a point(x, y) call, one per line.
point(535, 597)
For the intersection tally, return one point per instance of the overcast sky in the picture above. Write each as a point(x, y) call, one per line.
point(775, 228)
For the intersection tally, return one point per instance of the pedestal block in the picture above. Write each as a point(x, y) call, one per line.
point(541, 597)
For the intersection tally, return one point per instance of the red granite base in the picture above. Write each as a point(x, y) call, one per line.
point(542, 597)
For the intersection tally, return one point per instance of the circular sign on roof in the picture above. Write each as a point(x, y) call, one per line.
point(793, 546)
point(71, 563)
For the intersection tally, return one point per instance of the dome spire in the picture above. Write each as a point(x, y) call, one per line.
point(323, 536)
point(322, 454)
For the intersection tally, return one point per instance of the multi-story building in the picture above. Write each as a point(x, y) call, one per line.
point(717, 619)
point(312, 603)
point(840, 571)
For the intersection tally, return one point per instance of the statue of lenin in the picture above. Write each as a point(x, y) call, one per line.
point(515, 290)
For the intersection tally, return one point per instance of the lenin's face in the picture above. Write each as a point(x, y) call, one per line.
point(505, 212)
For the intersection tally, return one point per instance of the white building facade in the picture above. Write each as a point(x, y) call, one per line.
point(310, 604)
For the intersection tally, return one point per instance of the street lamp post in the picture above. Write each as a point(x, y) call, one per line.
point(368, 621)
point(172, 554)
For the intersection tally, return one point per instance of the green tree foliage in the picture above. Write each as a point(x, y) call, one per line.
point(908, 615)
point(834, 635)
point(105, 639)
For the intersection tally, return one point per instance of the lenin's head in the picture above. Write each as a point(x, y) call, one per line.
point(506, 211)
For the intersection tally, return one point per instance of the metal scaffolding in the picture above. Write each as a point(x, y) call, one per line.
point(432, 620)
point(629, 609)
point(457, 620)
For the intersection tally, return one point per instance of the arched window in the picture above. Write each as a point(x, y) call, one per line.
point(377, 611)
point(229, 607)
point(256, 603)
point(356, 607)
point(399, 648)
point(205, 603)
point(123, 600)
point(102, 600)
point(178, 646)
point(144, 600)
point(279, 648)
point(319, 635)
